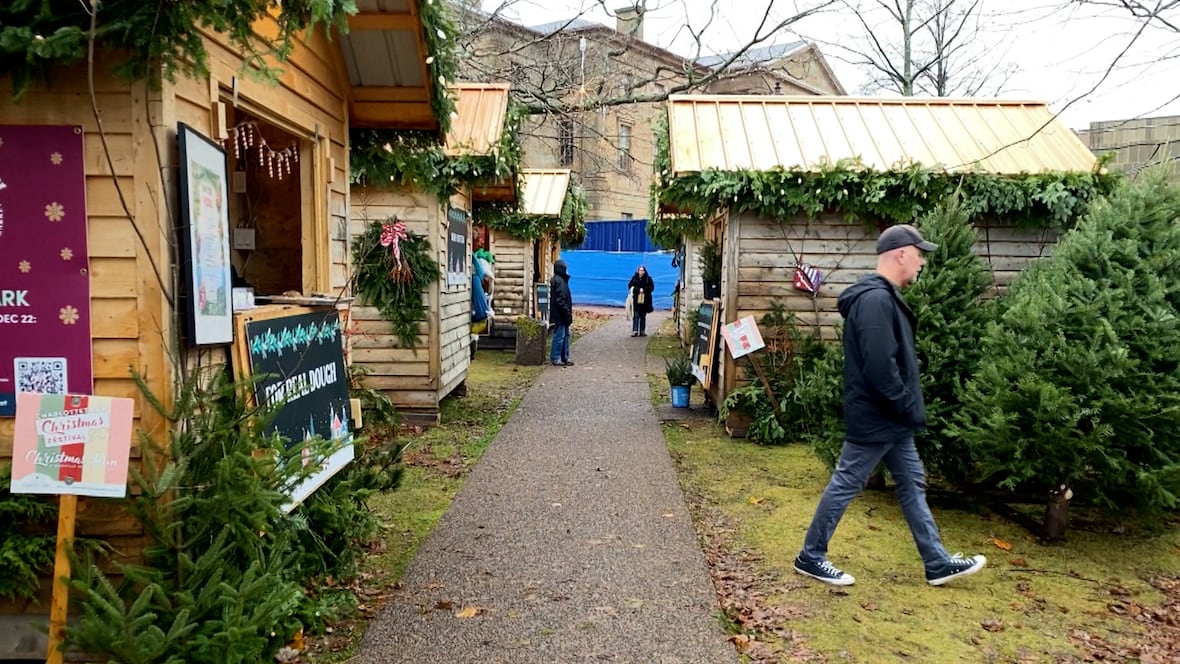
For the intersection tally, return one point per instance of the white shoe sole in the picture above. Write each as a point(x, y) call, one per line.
point(847, 581)
point(967, 572)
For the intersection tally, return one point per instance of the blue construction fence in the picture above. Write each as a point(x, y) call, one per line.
point(621, 235)
point(600, 277)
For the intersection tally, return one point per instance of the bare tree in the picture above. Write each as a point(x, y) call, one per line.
point(1165, 13)
point(930, 47)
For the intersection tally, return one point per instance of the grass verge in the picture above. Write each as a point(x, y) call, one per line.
point(1099, 596)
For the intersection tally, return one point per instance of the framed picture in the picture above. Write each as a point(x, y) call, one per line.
point(457, 260)
point(204, 234)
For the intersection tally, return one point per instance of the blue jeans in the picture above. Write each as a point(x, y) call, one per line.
point(639, 323)
point(856, 463)
point(559, 349)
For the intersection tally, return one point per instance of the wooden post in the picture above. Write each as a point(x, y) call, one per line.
point(67, 513)
point(765, 384)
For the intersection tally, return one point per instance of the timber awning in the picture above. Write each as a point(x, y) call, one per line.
point(385, 55)
point(544, 191)
point(478, 124)
point(733, 133)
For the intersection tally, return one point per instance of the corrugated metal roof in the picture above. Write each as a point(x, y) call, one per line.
point(478, 122)
point(544, 191)
point(802, 132)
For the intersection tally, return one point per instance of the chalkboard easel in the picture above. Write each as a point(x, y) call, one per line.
point(541, 301)
point(704, 343)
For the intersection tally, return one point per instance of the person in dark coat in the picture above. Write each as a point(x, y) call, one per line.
point(561, 315)
point(640, 290)
point(883, 409)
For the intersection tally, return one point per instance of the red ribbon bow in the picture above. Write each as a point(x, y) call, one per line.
point(391, 236)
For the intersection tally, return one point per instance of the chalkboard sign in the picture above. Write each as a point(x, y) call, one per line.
point(298, 361)
point(704, 343)
point(541, 301)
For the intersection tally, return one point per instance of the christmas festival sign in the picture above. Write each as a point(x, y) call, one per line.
point(44, 265)
point(71, 444)
point(298, 362)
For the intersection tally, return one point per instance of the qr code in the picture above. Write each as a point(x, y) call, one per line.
point(46, 375)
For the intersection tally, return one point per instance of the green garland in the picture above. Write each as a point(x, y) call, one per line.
point(417, 159)
point(36, 36)
point(569, 225)
point(901, 195)
point(154, 39)
point(441, 36)
point(397, 294)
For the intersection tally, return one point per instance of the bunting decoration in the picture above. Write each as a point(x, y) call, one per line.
point(808, 278)
point(246, 136)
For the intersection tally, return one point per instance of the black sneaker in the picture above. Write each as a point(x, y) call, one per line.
point(953, 568)
point(556, 364)
point(569, 363)
point(824, 571)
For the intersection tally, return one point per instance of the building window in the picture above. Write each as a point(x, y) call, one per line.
point(628, 84)
point(625, 148)
point(627, 216)
point(565, 141)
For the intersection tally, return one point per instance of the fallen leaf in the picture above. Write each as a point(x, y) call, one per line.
point(1001, 544)
point(868, 606)
point(444, 605)
point(992, 625)
point(1019, 562)
point(469, 612)
point(755, 501)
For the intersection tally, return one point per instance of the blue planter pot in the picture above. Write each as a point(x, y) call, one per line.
point(680, 394)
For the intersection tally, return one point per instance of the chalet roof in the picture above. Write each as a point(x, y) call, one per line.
point(732, 133)
point(385, 55)
point(568, 24)
point(478, 123)
point(544, 191)
point(754, 56)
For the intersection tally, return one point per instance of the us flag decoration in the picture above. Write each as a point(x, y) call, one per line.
point(808, 278)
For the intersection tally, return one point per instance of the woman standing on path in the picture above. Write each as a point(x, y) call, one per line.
point(641, 288)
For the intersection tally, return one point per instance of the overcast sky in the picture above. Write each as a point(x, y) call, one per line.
point(1062, 51)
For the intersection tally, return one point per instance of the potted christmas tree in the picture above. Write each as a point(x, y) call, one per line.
point(710, 257)
point(678, 369)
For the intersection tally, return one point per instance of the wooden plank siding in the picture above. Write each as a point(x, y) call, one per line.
point(760, 256)
point(417, 380)
point(514, 278)
point(128, 319)
point(131, 322)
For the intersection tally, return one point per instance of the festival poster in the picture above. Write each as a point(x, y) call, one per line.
point(71, 444)
point(457, 260)
point(742, 337)
point(44, 265)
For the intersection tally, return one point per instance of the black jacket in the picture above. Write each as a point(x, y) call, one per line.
point(643, 285)
point(882, 394)
point(561, 303)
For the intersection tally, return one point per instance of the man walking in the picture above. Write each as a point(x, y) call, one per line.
point(561, 315)
point(883, 409)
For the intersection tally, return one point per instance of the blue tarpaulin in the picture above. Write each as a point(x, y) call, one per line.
point(600, 277)
point(624, 235)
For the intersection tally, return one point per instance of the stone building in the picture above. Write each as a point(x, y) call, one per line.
point(595, 92)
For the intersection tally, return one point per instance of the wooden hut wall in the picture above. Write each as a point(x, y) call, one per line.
point(760, 256)
point(415, 380)
point(129, 324)
point(514, 278)
point(402, 374)
point(454, 310)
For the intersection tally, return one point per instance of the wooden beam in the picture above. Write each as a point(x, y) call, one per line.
point(374, 21)
point(393, 116)
point(374, 93)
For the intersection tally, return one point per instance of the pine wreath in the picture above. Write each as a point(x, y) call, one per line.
point(395, 287)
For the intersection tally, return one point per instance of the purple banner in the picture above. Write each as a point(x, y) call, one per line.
point(44, 264)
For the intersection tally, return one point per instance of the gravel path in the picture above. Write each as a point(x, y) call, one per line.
point(570, 537)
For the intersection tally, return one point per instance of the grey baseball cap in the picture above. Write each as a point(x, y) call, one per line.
point(902, 235)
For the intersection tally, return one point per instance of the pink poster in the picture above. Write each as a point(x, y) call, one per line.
point(44, 265)
point(71, 444)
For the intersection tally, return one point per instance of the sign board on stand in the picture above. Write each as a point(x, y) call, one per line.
point(742, 337)
point(296, 355)
point(704, 345)
point(541, 301)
